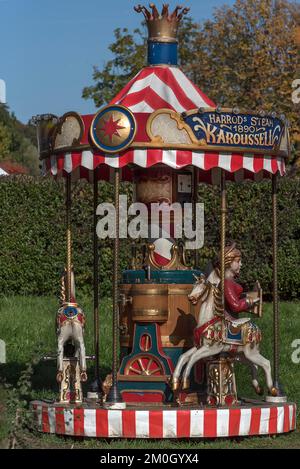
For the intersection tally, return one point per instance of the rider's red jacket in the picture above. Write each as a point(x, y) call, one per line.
point(233, 301)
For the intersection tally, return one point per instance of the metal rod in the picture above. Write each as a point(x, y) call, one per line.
point(96, 280)
point(69, 236)
point(275, 282)
point(54, 358)
point(115, 279)
point(195, 200)
point(114, 395)
point(223, 232)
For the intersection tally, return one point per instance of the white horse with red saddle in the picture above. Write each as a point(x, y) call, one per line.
point(216, 333)
point(70, 321)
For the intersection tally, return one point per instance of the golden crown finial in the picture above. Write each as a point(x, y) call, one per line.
point(162, 27)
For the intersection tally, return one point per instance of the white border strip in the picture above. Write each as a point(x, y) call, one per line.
point(142, 423)
point(197, 424)
point(264, 421)
point(69, 421)
point(90, 422)
point(245, 421)
point(115, 426)
point(223, 422)
point(52, 419)
point(169, 424)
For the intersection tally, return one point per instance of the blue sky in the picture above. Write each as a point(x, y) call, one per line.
point(48, 48)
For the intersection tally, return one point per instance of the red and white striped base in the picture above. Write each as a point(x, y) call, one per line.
point(97, 422)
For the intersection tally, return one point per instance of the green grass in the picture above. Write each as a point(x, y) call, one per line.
point(27, 323)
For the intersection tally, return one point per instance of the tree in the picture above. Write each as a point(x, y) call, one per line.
point(17, 141)
point(5, 141)
point(246, 56)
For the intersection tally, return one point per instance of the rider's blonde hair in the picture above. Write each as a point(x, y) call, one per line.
point(231, 253)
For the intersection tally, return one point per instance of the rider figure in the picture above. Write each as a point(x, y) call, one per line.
point(235, 299)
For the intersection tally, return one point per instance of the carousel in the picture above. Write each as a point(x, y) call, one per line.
point(177, 332)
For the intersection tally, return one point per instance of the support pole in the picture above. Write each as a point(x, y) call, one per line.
point(96, 385)
point(275, 281)
point(114, 396)
point(275, 287)
point(195, 200)
point(223, 232)
point(69, 236)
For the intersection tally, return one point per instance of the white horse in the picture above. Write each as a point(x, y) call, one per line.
point(70, 323)
point(211, 323)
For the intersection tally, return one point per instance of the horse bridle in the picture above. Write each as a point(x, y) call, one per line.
point(208, 285)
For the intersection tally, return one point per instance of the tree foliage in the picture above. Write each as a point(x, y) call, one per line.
point(17, 141)
point(5, 141)
point(245, 56)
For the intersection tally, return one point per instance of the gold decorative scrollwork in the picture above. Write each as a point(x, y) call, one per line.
point(165, 126)
point(68, 132)
point(177, 261)
point(221, 386)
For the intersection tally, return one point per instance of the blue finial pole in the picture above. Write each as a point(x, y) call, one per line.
point(162, 53)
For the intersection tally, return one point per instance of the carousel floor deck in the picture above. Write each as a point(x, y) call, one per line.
point(91, 420)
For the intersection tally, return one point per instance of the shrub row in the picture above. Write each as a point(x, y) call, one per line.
point(33, 245)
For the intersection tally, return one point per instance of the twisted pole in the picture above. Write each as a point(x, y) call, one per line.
point(96, 386)
point(275, 281)
point(69, 236)
point(114, 395)
point(195, 200)
point(277, 385)
point(223, 233)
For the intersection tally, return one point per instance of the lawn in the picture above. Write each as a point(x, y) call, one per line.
point(27, 326)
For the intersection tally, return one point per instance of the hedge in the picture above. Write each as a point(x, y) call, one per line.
point(32, 234)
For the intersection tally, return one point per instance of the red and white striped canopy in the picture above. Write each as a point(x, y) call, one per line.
point(151, 89)
point(161, 87)
point(237, 166)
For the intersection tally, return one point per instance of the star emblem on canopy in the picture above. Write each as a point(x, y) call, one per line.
point(113, 129)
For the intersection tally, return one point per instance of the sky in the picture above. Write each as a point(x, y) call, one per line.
point(48, 48)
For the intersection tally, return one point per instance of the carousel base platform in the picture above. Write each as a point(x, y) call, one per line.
point(249, 419)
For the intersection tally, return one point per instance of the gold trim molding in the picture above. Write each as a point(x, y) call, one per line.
point(157, 141)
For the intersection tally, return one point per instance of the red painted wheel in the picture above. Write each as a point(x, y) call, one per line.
point(144, 365)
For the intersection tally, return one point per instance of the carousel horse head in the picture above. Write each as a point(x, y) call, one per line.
point(199, 289)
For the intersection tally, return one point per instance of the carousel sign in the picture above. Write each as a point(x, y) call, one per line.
point(229, 129)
